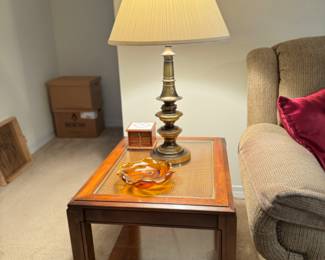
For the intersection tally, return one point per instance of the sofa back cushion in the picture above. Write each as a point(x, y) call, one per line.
point(301, 66)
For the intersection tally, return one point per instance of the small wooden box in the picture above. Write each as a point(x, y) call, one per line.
point(141, 135)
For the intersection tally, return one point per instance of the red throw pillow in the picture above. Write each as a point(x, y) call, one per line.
point(304, 120)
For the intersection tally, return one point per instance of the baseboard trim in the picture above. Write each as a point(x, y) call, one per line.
point(238, 191)
point(38, 145)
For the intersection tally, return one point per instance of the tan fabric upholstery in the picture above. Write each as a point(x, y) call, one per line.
point(285, 194)
point(294, 68)
point(263, 84)
point(288, 179)
point(283, 182)
point(305, 241)
point(301, 66)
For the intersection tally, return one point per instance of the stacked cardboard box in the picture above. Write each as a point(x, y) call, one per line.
point(76, 105)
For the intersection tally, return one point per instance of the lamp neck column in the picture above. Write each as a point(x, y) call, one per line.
point(168, 55)
point(169, 90)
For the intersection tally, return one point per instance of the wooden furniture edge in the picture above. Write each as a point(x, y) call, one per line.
point(3, 181)
point(22, 143)
point(223, 196)
point(19, 171)
point(150, 207)
point(227, 175)
point(19, 134)
point(99, 174)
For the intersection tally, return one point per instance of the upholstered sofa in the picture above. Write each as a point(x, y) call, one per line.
point(284, 184)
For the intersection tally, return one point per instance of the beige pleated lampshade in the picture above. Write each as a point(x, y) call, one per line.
point(166, 22)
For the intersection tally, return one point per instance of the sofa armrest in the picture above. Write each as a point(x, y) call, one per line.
point(286, 179)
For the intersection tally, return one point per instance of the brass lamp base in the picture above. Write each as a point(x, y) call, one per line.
point(170, 151)
point(175, 159)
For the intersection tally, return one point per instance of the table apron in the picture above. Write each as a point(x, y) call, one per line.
point(143, 218)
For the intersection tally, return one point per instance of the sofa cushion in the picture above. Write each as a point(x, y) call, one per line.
point(301, 66)
point(288, 182)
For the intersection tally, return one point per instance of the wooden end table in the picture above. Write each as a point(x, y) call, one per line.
point(199, 196)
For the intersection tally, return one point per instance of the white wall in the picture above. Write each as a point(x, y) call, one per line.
point(81, 31)
point(27, 60)
point(212, 77)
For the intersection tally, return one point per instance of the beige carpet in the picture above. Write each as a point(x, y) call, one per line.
point(33, 223)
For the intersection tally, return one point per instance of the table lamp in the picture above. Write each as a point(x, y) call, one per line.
point(168, 22)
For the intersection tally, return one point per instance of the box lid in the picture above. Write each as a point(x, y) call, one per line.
point(72, 81)
point(141, 126)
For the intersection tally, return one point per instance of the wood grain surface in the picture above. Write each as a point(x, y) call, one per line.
point(214, 212)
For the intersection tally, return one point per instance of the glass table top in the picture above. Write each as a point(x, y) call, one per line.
point(195, 179)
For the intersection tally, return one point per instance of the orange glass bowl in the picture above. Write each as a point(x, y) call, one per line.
point(145, 173)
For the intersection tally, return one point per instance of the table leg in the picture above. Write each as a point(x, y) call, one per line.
point(227, 224)
point(80, 235)
point(128, 244)
point(217, 245)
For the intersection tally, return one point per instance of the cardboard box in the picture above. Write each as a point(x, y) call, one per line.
point(72, 92)
point(78, 124)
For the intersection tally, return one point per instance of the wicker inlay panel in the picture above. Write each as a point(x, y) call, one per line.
point(193, 180)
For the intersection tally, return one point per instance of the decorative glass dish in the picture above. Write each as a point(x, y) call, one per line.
point(146, 173)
